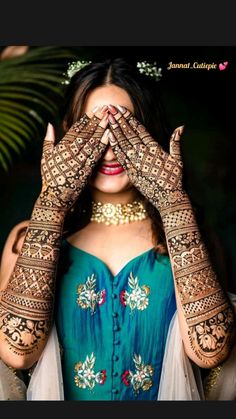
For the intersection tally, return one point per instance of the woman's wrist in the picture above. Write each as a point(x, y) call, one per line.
point(171, 201)
point(46, 210)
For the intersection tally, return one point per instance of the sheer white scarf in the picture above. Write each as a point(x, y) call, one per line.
point(180, 378)
point(178, 381)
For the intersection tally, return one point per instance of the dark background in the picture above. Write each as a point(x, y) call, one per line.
point(204, 101)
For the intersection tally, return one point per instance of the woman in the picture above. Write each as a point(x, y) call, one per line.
point(112, 249)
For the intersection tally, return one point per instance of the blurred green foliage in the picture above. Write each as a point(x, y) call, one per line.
point(30, 94)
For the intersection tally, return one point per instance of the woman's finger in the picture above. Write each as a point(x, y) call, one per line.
point(94, 146)
point(123, 124)
point(105, 137)
point(124, 143)
point(104, 121)
point(98, 147)
point(75, 130)
point(49, 140)
point(126, 156)
point(99, 118)
point(81, 131)
point(98, 136)
point(122, 115)
point(135, 149)
point(142, 132)
point(81, 123)
point(139, 129)
point(175, 148)
point(116, 129)
point(91, 153)
point(100, 111)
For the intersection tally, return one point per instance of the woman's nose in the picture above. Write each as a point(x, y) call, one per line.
point(109, 154)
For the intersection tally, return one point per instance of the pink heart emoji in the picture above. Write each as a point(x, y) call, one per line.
point(226, 63)
point(222, 67)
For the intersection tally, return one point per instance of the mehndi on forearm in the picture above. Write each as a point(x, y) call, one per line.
point(26, 307)
point(207, 310)
point(157, 174)
point(27, 302)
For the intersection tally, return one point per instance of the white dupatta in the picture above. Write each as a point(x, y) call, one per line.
point(177, 379)
point(46, 382)
point(180, 378)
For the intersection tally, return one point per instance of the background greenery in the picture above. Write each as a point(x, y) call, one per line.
point(200, 99)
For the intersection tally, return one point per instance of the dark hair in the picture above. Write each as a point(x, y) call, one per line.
point(144, 94)
point(143, 91)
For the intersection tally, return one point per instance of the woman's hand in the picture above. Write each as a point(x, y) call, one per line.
point(65, 167)
point(155, 173)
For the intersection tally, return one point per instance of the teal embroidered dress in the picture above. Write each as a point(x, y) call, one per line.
point(112, 329)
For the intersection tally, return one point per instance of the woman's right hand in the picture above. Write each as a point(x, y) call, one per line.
point(66, 167)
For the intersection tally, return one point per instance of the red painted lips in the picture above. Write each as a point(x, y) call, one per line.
point(111, 169)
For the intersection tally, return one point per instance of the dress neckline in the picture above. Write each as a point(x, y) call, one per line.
point(141, 255)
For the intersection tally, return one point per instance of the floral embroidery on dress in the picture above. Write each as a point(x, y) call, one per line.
point(88, 297)
point(138, 297)
point(141, 379)
point(85, 375)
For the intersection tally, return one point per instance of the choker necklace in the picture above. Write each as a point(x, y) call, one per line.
point(118, 213)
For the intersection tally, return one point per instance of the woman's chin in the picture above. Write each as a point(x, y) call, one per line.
point(110, 189)
point(111, 186)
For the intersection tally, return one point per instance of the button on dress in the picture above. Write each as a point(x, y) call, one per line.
point(112, 329)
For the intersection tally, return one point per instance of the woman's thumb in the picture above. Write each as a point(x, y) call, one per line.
point(175, 148)
point(49, 140)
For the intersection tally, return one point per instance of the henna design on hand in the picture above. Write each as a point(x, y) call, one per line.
point(208, 314)
point(154, 172)
point(26, 306)
point(66, 167)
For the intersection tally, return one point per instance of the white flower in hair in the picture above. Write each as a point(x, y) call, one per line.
point(73, 68)
point(144, 67)
point(149, 69)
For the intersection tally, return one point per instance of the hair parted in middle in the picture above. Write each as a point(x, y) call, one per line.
point(145, 97)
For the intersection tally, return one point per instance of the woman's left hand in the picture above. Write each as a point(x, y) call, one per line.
point(154, 172)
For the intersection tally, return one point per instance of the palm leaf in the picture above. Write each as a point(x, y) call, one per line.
point(49, 106)
point(23, 110)
point(11, 133)
point(31, 92)
point(18, 125)
point(4, 155)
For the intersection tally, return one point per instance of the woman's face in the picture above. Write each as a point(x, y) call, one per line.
point(105, 178)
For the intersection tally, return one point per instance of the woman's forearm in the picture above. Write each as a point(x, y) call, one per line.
point(205, 312)
point(27, 302)
point(205, 307)
point(26, 306)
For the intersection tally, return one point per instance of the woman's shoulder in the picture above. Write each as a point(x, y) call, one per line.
point(16, 236)
point(11, 250)
point(163, 259)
